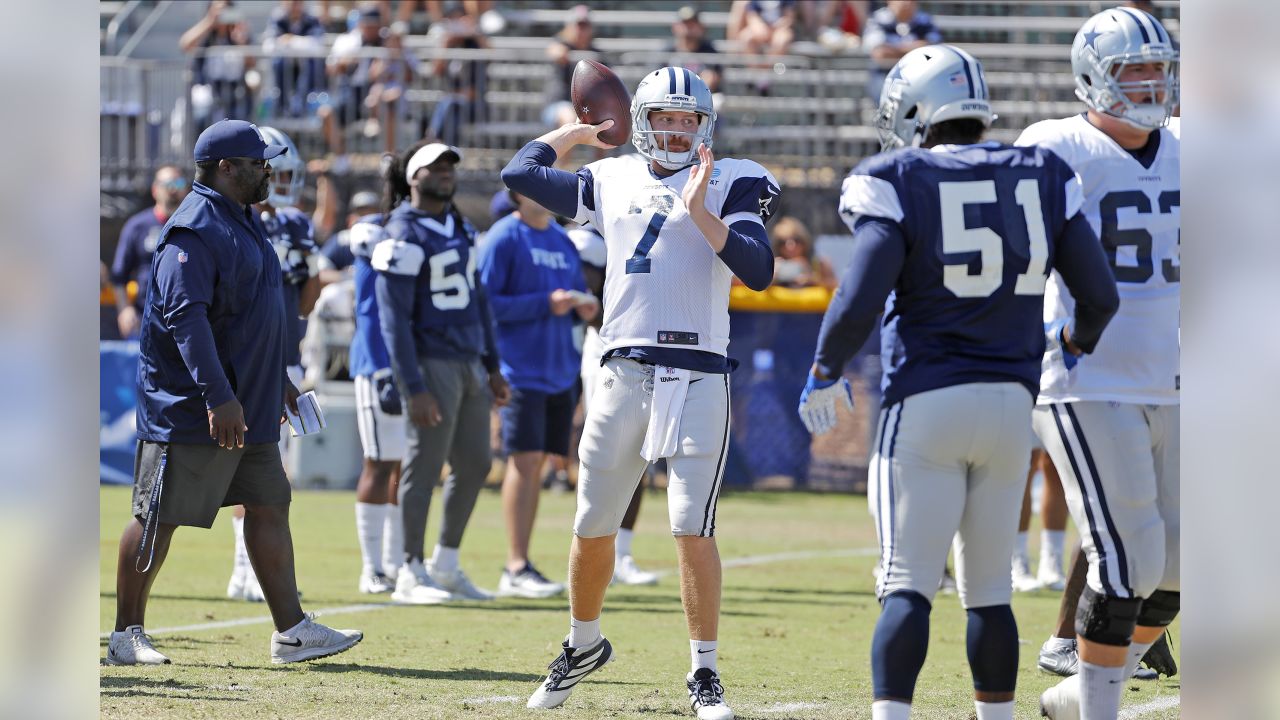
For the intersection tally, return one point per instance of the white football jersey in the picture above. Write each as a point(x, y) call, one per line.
point(664, 286)
point(1136, 211)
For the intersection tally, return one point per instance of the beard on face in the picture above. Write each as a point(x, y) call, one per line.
point(429, 190)
point(255, 184)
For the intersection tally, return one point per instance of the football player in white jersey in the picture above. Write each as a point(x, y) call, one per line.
point(1110, 422)
point(678, 224)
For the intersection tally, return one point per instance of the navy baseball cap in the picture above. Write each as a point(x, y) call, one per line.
point(234, 139)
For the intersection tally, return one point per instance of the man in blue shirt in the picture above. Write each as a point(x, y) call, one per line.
point(137, 244)
point(893, 31)
point(438, 330)
point(212, 390)
point(533, 276)
point(954, 240)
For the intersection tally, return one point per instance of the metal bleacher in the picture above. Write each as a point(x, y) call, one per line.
point(810, 128)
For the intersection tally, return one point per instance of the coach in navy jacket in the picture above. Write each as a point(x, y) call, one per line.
point(211, 392)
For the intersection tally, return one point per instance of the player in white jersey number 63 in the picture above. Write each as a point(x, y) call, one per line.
point(1111, 423)
point(678, 224)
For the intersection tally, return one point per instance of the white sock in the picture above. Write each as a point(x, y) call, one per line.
point(393, 540)
point(1057, 643)
point(1052, 544)
point(1100, 688)
point(370, 519)
point(994, 710)
point(703, 653)
point(622, 545)
point(890, 710)
point(1020, 547)
point(242, 553)
point(583, 632)
point(444, 558)
point(1136, 651)
point(295, 628)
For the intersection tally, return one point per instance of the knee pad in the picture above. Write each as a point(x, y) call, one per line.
point(1160, 609)
point(1106, 619)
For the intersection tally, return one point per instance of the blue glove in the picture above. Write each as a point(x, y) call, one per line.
point(1053, 337)
point(388, 395)
point(818, 402)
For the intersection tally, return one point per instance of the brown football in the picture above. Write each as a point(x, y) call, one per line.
point(599, 95)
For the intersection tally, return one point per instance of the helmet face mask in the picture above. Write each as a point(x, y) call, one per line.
point(671, 89)
point(927, 86)
point(1109, 44)
point(288, 173)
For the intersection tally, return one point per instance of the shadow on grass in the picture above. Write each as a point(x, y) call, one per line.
point(460, 674)
point(123, 687)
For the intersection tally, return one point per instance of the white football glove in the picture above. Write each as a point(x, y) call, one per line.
point(818, 403)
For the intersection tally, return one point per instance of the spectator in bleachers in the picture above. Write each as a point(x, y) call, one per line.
point(390, 77)
point(689, 35)
point(794, 263)
point(218, 42)
point(466, 80)
point(338, 16)
point(355, 76)
point(293, 28)
point(841, 24)
point(769, 25)
point(891, 32)
point(577, 36)
point(138, 243)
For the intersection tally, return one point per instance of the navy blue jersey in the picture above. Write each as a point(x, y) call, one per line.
point(430, 300)
point(971, 234)
point(138, 241)
point(292, 235)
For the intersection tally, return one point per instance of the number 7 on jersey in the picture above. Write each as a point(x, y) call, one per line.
point(639, 261)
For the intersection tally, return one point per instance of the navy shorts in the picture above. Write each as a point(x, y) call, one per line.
point(538, 422)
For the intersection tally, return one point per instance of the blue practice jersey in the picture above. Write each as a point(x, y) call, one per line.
point(294, 238)
point(520, 267)
point(368, 351)
point(976, 230)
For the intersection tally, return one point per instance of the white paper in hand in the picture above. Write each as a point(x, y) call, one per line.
point(309, 419)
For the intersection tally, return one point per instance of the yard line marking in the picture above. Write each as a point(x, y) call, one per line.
point(790, 707)
point(491, 699)
point(745, 561)
point(1160, 703)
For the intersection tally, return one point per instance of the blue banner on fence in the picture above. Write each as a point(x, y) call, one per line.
point(769, 446)
point(117, 432)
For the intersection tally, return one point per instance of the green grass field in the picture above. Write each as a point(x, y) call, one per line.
point(797, 619)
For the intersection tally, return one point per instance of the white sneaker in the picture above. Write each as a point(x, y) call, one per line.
point(1023, 580)
point(625, 572)
point(235, 586)
point(311, 641)
point(415, 589)
point(457, 584)
point(1050, 575)
point(567, 670)
point(1062, 701)
point(133, 647)
point(528, 583)
point(706, 695)
point(375, 582)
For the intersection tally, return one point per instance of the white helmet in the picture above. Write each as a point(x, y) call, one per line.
point(1109, 41)
point(677, 89)
point(927, 86)
point(284, 193)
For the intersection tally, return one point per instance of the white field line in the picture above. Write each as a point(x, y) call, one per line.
point(746, 561)
point(1161, 703)
point(492, 699)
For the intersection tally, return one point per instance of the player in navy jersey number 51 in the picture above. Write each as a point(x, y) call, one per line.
point(678, 225)
point(954, 240)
